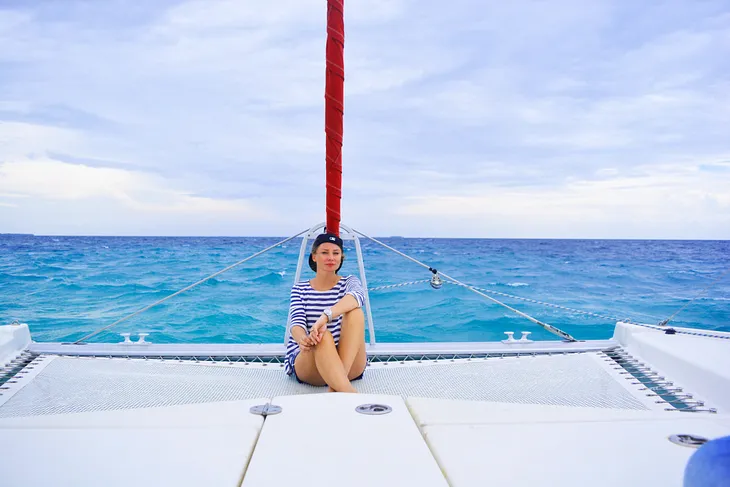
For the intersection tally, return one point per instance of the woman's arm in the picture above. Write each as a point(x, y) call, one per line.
point(347, 303)
point(298, 322)
point(354, 298)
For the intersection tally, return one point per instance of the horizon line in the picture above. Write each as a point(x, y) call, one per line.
point(688, 239)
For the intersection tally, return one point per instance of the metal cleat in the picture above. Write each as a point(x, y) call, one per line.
point(524, 336)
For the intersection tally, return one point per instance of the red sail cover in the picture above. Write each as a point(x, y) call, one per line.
point(334, 109)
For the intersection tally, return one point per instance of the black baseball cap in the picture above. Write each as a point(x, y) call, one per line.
point(325, 238)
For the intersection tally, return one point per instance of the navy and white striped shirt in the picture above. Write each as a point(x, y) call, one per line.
point(307, 305)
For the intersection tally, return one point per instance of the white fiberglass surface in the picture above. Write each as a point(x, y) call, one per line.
point(189, 445)
point(355, 449)
point(529, 445)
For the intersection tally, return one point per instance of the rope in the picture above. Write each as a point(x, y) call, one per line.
point(395, 250)
point(665, 322)
point(552, 329)
point(557, 306)
point(390, 286)
point(551, 305)
point(535, 301)
point(186, 288)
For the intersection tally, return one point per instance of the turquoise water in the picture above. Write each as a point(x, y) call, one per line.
point(65, 287)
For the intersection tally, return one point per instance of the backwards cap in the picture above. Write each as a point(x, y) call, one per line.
point(325, 238)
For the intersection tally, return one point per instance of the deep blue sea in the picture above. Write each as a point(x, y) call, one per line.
point(65, 287)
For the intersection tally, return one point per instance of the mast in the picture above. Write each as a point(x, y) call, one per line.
point(333, 110)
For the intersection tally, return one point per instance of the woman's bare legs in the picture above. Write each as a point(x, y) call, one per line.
point(330, 366)
point(351, 348)
point(334, 365)
point(323, 366)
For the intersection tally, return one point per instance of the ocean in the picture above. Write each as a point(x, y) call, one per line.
point(66, 287)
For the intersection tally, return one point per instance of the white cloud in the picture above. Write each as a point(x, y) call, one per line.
point(53, 180)
point(217, 107)
point(18, 139)
point(658, 202)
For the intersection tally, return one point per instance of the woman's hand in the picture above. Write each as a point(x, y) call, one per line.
point(306, 343)
point(318, 329)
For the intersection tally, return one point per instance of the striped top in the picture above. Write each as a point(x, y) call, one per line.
point(307, 305)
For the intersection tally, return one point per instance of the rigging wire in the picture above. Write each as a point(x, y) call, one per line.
point(703, 291)
point(552, 329)
point(477, 290)
point(507, 295)
point(566, 308)
point(90, 335)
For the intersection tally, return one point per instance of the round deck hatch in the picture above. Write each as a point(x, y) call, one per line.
point(374, 409)
point(691, 441)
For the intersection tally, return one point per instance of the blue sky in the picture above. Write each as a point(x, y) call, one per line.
point(560, 119)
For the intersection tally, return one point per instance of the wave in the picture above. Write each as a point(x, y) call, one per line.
point(509, 284)
point(270, 278)
point(103, 289)
point(23, 277)
point(72, 286)
point(684, 274)
point(55, 286)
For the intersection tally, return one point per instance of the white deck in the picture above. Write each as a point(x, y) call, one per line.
point(479, 443)
point(13, 338)
point(699, 362)
point(192, 445)
point(570, 419)
point(321, 440)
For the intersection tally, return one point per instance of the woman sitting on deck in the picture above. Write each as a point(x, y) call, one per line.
point(327, 341)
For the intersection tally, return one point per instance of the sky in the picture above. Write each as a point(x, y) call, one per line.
point(522, 119)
